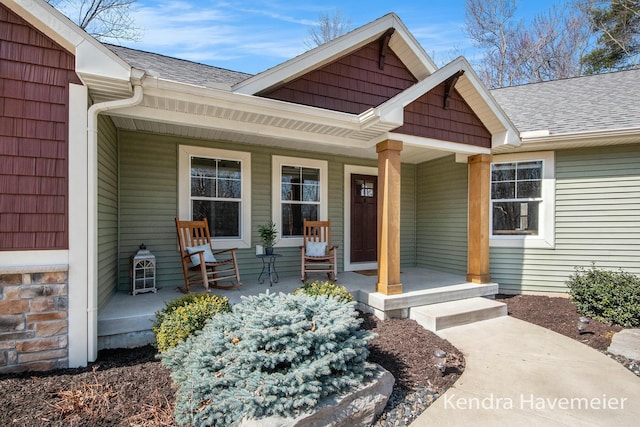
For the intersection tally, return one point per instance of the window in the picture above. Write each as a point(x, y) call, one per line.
point(216, 184)
point(523, 200)
point(299, 192)
point(516, 193)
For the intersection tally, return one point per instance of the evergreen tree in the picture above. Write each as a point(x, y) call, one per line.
point(272, 355)
point(617, 26)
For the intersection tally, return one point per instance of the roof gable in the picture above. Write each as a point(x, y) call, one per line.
point(351, 84)
point(428, 117)
point(106, 75)
point(470, 88)
point(402, 43)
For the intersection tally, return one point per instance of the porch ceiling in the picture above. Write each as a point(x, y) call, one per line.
point(211, 114)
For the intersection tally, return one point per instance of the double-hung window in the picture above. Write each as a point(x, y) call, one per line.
point(516, 193)
point(522, 200)
point(216, 184)
point(299, 193)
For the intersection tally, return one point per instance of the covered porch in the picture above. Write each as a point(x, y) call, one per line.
point(427, 144)
point(126, 319)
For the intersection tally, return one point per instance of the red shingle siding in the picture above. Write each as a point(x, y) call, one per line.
point(426, 117)
point(351, 84)
point(34, 87)
point(354, 84)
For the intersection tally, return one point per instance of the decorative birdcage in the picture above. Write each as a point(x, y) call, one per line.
point(143, 271)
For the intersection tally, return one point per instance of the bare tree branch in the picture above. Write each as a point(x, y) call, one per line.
point(103, 19)
point(490, 24)
point(330, 25)
point(551, 47)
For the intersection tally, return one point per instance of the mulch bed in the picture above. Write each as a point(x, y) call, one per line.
point(129, 387)
point(559, 315)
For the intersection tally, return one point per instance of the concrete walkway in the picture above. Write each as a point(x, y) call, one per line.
point(519, 374)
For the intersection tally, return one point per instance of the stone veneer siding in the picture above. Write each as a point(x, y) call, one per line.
point(33, 319)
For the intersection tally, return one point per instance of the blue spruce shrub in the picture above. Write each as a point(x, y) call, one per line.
point(274, 354)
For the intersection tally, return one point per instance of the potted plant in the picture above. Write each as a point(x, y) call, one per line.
point(268, 234)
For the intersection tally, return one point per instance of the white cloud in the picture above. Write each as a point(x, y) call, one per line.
point(223, 34)
point(252, 36)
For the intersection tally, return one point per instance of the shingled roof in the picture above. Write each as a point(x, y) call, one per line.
point(178, 70)
point(589, 103)
point(598, 102)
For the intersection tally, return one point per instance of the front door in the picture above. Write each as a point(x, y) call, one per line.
point(364, 218)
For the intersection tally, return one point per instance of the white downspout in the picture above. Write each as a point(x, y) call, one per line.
point(92, 213)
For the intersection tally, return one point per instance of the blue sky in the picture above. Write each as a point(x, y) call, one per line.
point(252, 36)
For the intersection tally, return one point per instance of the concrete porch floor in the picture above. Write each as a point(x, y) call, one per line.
point(126, 320)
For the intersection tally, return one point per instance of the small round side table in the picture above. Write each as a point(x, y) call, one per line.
point(269, 267)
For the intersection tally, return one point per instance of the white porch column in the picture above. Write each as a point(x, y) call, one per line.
point(78, 225)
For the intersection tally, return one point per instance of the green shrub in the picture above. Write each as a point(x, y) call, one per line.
point(272, 355)
point(184, 316)
point(607, 296)
point(173, 304)
point(325, 288)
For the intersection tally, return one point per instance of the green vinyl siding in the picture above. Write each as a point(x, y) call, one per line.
point(597, 219)
point(408, 215)
point(336, 211)
point(149, 203)
point(441, 196)
point(107, 210)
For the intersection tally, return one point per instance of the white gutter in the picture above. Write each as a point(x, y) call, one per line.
point(545, 136)
point(545, 140)
point(92, 212)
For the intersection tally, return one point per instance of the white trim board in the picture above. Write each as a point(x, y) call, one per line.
point(348, 171)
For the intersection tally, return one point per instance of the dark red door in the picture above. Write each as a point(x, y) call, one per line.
point(364, 218)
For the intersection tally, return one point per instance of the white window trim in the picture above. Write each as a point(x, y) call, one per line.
point(184, 205)
point(546, 236)
point(348, 171)
point(276, 193)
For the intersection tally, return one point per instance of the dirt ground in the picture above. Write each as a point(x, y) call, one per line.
point(131, 388)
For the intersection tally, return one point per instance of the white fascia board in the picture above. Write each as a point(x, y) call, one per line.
point(91, 56)
point(437, 144)
point(186, 119)
point(535, 133)
point(330, 51)
point(430, 67)
point(393, 109)
point(250, 104)
point(580, 139)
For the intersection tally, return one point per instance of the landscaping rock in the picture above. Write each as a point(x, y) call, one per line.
point(358, 408)
point(626, 343)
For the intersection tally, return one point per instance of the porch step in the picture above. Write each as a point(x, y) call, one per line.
point(438, 291)
point(435, 317)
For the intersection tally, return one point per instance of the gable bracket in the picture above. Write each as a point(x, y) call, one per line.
point(384, 46)
point(448, 87)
